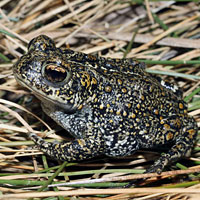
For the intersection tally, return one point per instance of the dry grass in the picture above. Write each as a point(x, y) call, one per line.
point(164, 34)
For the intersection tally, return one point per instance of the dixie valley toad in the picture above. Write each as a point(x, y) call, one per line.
point(110, 106)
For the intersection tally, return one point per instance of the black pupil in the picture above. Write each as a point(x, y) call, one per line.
point(55, 74)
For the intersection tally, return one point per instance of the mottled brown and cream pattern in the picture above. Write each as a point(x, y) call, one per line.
point(110, 106)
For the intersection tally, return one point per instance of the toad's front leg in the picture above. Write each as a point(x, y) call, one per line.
point(88, 139)
point(79, 149)
point(79, 124)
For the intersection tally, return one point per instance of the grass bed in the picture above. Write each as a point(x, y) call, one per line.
point(163, 34)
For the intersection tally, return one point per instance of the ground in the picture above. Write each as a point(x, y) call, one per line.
point(163, 34)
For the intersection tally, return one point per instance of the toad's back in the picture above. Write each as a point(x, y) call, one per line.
point(110, 106)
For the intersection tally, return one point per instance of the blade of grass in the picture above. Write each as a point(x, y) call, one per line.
point(196, 91)
point(7, 33)
point(4, 58)
point(130, 43)
point(170, 62)
point(187, 76)
point(160, 22)
point(52, 177)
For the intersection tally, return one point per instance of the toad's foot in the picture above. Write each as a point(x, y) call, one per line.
point(179, 150)
point(78, 149)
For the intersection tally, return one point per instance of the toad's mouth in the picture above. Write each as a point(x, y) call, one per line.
point(66, 106)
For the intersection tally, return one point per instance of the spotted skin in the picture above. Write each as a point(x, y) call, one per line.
point(110, 106)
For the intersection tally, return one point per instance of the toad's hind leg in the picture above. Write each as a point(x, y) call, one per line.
point(76, 150)
point(182, 147)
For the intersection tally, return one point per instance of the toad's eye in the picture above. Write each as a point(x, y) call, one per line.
point(55, 74)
